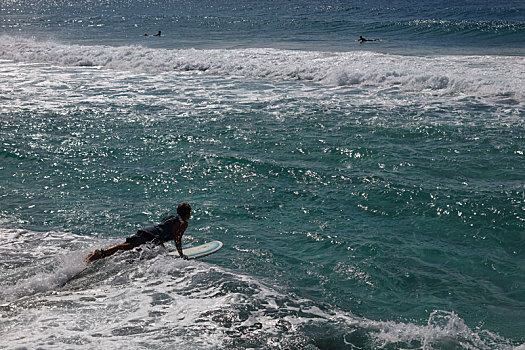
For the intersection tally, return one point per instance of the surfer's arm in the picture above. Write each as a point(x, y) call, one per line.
point(178, 231)
point(178, 244)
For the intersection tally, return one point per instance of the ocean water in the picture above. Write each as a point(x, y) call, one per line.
point(369, 196)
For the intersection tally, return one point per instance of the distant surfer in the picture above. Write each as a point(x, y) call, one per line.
point(171, 227)
point(362, 40)
point(158, 34)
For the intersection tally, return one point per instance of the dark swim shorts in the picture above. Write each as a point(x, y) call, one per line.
point(140, 238)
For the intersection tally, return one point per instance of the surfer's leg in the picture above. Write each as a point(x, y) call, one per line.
point(137, 239)
point(102, 253)
point(113, 249)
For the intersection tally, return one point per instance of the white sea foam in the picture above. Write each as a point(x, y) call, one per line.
point(498, 77)
point(144, 299)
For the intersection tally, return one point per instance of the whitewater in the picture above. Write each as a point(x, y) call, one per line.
point(369, 196)
point(188, 304)
point(480, 76)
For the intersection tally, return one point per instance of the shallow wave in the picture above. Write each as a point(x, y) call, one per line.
point(146, 299)
point(471, 28)
point(497, 77)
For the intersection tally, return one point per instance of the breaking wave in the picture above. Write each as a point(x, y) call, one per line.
point(151, 300)
point(499, 77)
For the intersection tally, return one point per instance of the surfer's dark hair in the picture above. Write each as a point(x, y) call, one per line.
point(184, 209)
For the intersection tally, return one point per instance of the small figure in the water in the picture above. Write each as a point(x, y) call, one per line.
point(158, 34)
point(362, 40)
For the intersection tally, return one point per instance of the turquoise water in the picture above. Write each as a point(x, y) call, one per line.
point(368, 195)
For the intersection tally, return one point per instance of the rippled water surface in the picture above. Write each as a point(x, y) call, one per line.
point(367, 195)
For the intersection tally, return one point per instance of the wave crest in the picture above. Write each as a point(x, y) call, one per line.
point(478, 76)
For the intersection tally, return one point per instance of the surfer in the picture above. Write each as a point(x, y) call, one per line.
point(362, 40)
point(171, 227)
point(158, 34)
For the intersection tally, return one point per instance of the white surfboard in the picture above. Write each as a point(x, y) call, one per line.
point(200, 250)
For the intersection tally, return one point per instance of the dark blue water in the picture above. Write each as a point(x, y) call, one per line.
point(440, 27)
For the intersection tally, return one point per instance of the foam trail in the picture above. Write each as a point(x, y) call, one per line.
point(34, 263)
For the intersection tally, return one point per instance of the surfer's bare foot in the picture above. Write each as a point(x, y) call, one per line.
point(97, 254)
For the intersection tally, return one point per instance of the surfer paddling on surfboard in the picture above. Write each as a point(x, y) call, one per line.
point(159, 33)
point(362, 40)
point(171, 227)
